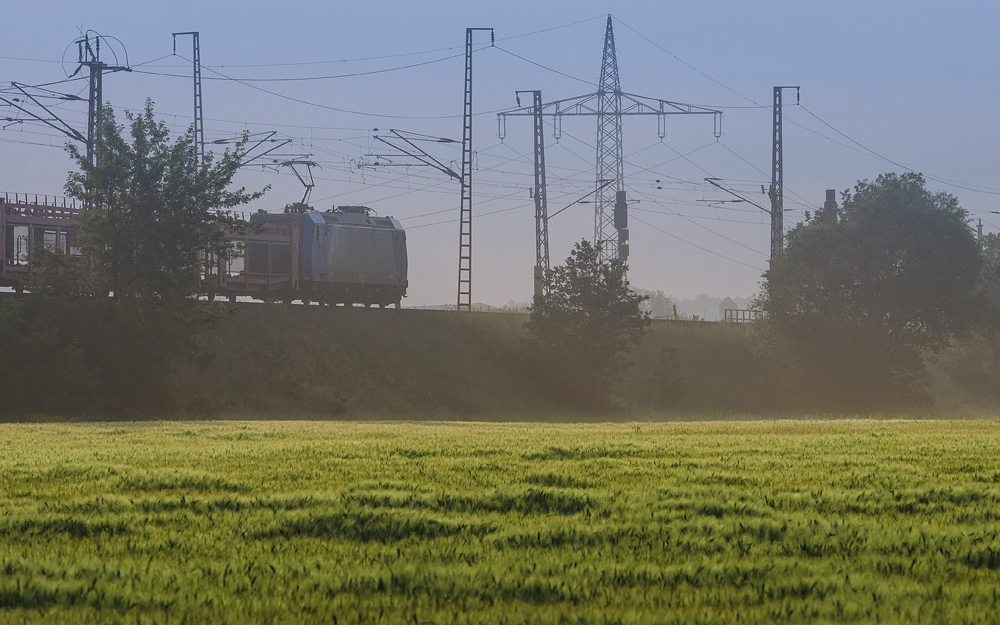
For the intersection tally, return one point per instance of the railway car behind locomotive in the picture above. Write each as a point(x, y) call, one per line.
point(341, 256)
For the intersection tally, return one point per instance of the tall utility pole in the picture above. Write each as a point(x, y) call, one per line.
point(612, 240)
point(609, 105)
point(89, 51)
point(199, 113)
point(541, 203)
point(465, 219)
point(777, 190)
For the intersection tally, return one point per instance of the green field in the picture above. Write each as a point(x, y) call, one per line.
point(292, 522)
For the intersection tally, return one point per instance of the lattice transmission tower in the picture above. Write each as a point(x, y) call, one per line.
point(610, 104)
point(611, 236)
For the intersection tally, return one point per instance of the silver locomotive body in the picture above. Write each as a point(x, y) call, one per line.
point(342, 256)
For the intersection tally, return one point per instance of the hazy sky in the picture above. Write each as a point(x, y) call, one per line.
point(914, 82)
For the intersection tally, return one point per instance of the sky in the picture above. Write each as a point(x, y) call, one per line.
point(885, 86)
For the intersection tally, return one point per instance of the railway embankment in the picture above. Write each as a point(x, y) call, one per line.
point(312, 362)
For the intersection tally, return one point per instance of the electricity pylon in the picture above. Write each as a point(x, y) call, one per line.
point(609, 104)
point(610, 220)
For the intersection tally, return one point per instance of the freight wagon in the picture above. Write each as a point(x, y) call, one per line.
point(29, 222)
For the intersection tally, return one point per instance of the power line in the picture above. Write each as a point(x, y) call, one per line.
point(734, 241)
point(704, 249)
point(555, 71)
point(960, 185)
point(706, 218)
point(682, 61)
point(405, 54)
point(21, 58)
point(338, 61)
point(312, 78)
point(942, 180)
point(333, 108)
point(451, 221)
point(684, 156)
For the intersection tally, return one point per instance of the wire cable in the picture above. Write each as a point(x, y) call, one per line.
point(555, 71)
point(685, 218)
point(704, 249)
point(328, 77)
point(682, 61)
point(960, 185)
point(334, 108)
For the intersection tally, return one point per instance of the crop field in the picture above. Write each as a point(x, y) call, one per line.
point(320, 522)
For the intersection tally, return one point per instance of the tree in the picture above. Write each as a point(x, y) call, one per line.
point(579, 332)
point(991, 282)
point(658, 305)
point(975, 363)
point(151, 212)
point(863, 298)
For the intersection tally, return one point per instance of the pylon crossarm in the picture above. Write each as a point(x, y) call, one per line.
point(640, 105)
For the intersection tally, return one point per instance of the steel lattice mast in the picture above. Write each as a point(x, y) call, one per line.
point(465, 219)
point(777, 190)
point(199, 113)
point(612, 240)
point(541, 201)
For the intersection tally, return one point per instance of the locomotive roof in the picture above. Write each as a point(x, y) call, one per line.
point(330, 217)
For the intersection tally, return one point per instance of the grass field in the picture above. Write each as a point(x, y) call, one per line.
point(291, 522)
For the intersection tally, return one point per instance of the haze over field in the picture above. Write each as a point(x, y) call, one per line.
point(908, 81)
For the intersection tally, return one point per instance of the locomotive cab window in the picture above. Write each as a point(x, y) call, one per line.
point(257, 257)
point(281, 259)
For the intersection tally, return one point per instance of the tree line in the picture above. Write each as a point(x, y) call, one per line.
point(852, 308)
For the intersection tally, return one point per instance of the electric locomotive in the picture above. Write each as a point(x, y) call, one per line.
point(345, 255)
